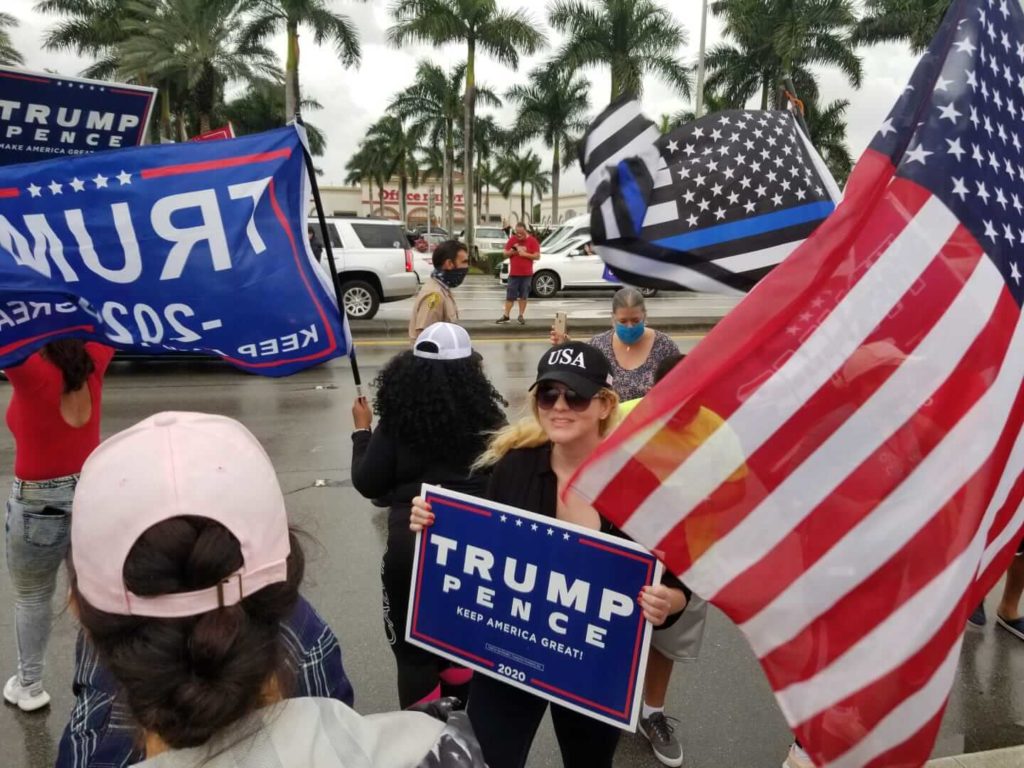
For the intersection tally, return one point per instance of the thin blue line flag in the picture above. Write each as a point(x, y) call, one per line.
point(712, 206)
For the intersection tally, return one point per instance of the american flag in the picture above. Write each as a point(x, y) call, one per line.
point(871, 391)
point(712, 206)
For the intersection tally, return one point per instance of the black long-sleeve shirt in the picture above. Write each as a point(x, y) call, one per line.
point(384, 467)
point(524, 479)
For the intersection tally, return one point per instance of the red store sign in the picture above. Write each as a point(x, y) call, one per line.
point(391, 196)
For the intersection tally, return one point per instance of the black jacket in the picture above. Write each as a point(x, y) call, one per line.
point(384, 467)
point(524, 479)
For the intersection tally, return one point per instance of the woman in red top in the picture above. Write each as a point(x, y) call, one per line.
point(54, 416)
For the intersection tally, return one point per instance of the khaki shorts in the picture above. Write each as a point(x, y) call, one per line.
point(682, 640)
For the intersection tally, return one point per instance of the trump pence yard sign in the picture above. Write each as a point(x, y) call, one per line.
point(537, 603)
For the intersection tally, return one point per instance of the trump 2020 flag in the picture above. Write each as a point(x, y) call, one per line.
point(863, 492)
point(712, 206)
point(197, 247)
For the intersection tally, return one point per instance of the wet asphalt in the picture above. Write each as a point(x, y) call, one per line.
point(727, 716)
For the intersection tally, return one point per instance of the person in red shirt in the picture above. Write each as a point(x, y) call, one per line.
point(54, 416)
point(521, 250)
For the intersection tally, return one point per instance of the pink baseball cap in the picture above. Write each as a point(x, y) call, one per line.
point(169, 465)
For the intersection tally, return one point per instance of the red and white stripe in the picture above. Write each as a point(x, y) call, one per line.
point(871, 518)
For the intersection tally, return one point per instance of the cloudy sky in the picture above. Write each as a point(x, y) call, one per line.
point(354, 98)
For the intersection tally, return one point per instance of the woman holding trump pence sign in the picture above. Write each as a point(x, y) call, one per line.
point(573, 408)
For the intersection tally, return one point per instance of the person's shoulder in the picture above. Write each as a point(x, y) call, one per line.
point(662, 339)
point(101, 354)
point(601, 340)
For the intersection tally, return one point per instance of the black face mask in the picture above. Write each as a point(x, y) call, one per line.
point(453, 277)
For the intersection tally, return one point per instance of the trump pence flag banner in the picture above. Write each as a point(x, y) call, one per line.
point(871, 388)
point(712, 206)
point(194, 247)
point(43, 115)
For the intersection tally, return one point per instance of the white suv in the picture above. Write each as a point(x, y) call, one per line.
point(489, 239)
point(374, 262)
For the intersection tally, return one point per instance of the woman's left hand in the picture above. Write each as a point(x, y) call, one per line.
point(362, 414)
point(659, 602)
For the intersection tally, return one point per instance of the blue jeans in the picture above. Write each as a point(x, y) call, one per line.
point(38, 534)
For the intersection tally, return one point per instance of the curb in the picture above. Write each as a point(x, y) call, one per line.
point(533, 328)
point(1013, 757)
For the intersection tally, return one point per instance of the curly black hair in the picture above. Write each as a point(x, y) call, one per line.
point(439, 407)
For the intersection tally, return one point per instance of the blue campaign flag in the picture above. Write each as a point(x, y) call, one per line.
point(195, 247)
point(537, 603)
point(44, 115)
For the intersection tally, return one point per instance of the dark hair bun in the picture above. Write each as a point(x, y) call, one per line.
point(187, 679)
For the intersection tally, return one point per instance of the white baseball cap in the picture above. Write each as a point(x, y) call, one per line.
point(443, 341)
point(171, 465)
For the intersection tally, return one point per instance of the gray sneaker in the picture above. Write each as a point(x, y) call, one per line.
point(660, 732)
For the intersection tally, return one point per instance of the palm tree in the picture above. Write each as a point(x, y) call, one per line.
point(398, 146)
point(8, 53)
point(89, 28)
point(633, 37)
point(435, 100)
point(479, 24)
point(773, 40)
point(911, 21)
point(827, 128)
point(367, 164)
point(271, 16)
point(522, 169)
point(196, 42)
point(553, 106)
point(261, 108)
point(488, 138)
point(433, 164)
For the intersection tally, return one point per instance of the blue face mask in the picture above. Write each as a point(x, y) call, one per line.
point(629, 334)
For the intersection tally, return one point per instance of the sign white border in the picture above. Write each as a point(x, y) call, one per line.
point(437, 490)
point(153, 92)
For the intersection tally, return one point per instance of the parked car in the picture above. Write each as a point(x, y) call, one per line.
point(560, 235)
point(374, 262)
point(489, 239)
point(569, 266)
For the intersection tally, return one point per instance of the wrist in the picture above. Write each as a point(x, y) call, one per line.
point(357, 430)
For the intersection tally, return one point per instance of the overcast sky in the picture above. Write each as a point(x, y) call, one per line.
point(354, 98)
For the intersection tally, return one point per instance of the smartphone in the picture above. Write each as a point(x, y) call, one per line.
point(561, 323)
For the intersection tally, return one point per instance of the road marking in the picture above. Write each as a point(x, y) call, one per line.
point(491, 340)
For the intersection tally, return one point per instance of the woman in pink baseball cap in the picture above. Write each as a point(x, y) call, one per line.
point(182, 568)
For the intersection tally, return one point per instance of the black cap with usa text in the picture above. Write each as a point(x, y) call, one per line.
point(579, 366)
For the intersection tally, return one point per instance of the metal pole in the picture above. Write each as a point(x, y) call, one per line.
point(699, 103)
point(311, 172)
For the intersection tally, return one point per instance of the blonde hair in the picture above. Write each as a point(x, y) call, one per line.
point(528, 433)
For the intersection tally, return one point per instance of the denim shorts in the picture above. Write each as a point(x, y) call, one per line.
point(518, 288)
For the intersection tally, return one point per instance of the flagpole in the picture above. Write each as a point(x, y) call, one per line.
point(699, 103)
point(799, 111)
point(325, 236)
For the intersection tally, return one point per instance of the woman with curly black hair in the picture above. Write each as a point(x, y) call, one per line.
point(437, 410)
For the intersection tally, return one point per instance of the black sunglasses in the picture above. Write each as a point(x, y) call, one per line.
point(547, 398)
